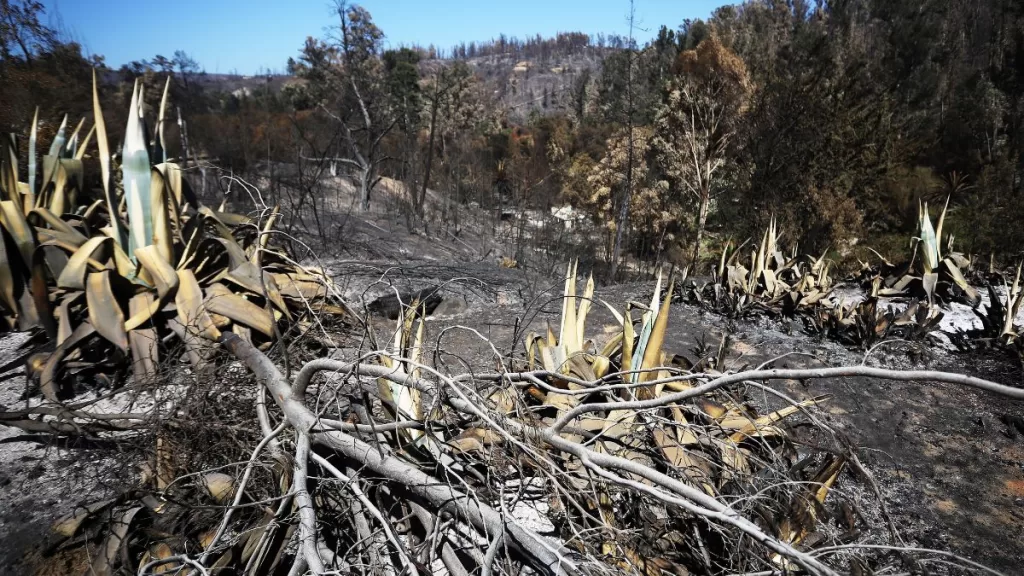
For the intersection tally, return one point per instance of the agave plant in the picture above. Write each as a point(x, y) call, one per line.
point(938, 272)
point(773, 283)
point(998, 319)
point(867, 322)
point(715, 444)
point(108, 278)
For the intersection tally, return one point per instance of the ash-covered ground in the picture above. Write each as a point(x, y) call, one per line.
point(949, 461)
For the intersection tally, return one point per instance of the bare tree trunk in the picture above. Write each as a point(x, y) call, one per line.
point(702, 218)
point(434, 105)
point(623, 220)
point(627, 193)
point(365, 185)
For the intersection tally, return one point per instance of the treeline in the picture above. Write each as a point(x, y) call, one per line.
point(838, 117)
point(537, 48)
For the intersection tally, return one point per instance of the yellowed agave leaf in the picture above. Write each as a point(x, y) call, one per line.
point(696, 469)
point(160, 202)
point(104, 312)
point(762, 426)
point(628, 341)
point(7, 280)
point(163, 275)
point(191, 309)
point(159, 551)
point(221, 300)
point(13, 218)
point(73, 275)
point(219, 486)
point(652, 353)
point(584, 310)
point(476, 440)
point(108, 554)
point(69, 525)
point(248, 276)
point(143, 341)
point(104, 156)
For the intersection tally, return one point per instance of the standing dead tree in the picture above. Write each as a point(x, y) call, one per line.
point(695, 123)
point(622, 219)
point(346, 76)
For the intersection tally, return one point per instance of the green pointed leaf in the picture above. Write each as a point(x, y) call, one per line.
point(136, 177)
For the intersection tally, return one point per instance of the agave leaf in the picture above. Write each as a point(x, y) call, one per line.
point(219, 486)
point(628, 339)
point(652, 352)
point(161, 551)
point(696, 468)
point(13, 219)
point(415, 399)
point(160, 203)
point(938, 231)
point(58, 141)
point(826, 478)
point(584, 310)
point(104, 312)
point(67, 526)
point(615, 313)
point(928, 241)
point(162, 119)
point(80, 154)
point(567, 331)
point(105, 562)
point(58, 224)
point(164, 276)
point(58, 196)
point(135, 175)
point(475, 440)
point(929, 281)
point(144, 341)
point(183, 194)
point(73, 276)
point(70, 150)
point(7, 279)
point(613, 346)
point(221, 300)
point(30, 198)
point(104, 157)
point(49, 380)
point(9, 177)
point(531, 347)
point(248, 276)
point(973, 297)
point(646, 325)
point(41, 312)
point(756, 427)
point(191, 309)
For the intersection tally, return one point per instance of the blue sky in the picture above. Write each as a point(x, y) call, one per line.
point(252, 35)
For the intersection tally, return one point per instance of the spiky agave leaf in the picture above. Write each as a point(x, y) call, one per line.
point(104, 156)
point(929, 243)
point(161, 140)
point(136, 176)
point(30, 197)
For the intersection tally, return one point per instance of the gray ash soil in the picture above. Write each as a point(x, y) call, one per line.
point(40, 480)
point(949, 467)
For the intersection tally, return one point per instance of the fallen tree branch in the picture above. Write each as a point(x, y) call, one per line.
point(544, 555)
